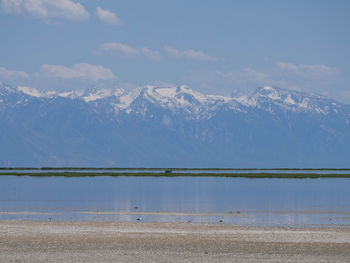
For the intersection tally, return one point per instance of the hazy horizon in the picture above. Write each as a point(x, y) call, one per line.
point(214, 48)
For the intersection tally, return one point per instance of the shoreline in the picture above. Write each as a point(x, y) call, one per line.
point(250, 175)
point(244, 218)
point(39, 241)
point(177, 168)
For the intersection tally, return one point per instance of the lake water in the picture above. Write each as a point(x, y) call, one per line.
point(266, 202)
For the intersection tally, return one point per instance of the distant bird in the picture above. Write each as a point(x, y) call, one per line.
point(49, 218)
point(136, 207)
point(221, 220)
point(138, 219)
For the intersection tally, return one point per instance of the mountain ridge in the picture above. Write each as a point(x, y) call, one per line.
point(172, 126)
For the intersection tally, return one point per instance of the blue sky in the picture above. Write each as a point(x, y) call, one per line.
point(211, 46)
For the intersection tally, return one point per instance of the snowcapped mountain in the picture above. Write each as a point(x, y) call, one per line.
point(199, 106)
point(192, 104)
point(268, 98)
point(172, 126)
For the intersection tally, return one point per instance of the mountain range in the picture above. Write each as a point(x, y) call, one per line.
point(172, 127)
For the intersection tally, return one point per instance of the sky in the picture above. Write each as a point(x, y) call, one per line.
point(214, 47)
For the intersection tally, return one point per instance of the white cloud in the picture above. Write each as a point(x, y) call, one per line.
point(60, 78)
point(317, 78)
point(306, 71)
point(30, 91)
point(224, 83)
point(6, 74)
point(247, 76)
point(107, 16)
point(78, 71)
point(189, 54)
point(46, 10)
point(127, 51)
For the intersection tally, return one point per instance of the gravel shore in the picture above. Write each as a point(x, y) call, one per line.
point(34, 241)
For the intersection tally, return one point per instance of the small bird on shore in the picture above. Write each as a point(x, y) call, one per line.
point(221, 220)
point(138, 219)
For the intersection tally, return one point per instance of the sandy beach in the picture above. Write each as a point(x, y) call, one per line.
point(37, 241)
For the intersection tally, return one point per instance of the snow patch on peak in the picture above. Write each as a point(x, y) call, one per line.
point(203, 98)
point(51, 93)
point(169, 92)
point(148, 90)
point(289, 100)
point(68, 94)
point(243, 99)
point(274, 96)
point(7, 88)
point(158, 94)
point(30, 91)
point(269, 88)
point(97, 94)
point(118, 92)
point(126, 98)
point(269, 92)
point(304, 104)
point(184, 88)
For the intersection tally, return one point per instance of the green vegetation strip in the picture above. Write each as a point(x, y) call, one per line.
point(173, 169)
point(242, 175)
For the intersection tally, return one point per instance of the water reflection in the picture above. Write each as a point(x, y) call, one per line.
point(177, 199)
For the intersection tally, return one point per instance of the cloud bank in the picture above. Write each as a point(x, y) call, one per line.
point(6, 74)
point(107, 17)
point(77, 71)
point(317, 78)
point(127, 51)
point(188, 54)
point(46, 10)
point(124, 50)
point(61, 78)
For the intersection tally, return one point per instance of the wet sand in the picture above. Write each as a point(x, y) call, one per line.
point(37, 241)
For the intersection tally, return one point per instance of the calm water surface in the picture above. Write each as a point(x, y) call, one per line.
point(178, 199)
